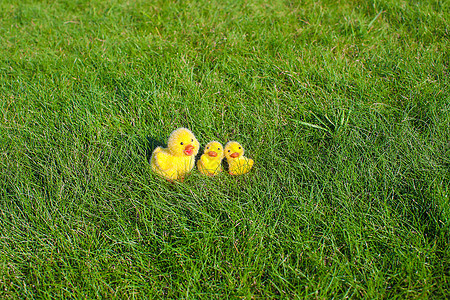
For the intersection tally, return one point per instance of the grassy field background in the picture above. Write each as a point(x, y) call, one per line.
point(344, 105)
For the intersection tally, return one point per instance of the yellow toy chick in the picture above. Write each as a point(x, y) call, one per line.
point(210, 162)
point(238, 164)
point(178, 159)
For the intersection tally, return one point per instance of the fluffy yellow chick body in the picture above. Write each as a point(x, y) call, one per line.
point(210, 163)
point(238, 164)
point(178, 159)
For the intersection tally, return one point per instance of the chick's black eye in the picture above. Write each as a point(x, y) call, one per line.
point(192, 140)
point(229, 151)
point(181, 143)
point(218, 148)
point(239, 147)
point(207, 148)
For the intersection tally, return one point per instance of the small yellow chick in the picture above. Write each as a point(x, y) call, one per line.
point(210, 162)
point(238, 164)
point(178, 159)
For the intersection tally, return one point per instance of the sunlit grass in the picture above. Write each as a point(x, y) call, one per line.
point(343, 105)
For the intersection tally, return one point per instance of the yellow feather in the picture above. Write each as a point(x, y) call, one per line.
point(209, 164)
point(178, 159)
point(238, 164)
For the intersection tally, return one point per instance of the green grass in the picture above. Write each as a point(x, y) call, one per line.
point(344, 105)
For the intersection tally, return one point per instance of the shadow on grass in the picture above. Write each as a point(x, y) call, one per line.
point(150, 143)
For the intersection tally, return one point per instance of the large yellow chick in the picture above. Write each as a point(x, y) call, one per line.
point(210, 162)
point(238, 164)
point(178, 159)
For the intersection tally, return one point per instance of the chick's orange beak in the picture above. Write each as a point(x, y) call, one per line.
point(188, 150)
point(234, 155)
point(212, 153)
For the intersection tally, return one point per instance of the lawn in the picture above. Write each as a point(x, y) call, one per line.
point(343, 105)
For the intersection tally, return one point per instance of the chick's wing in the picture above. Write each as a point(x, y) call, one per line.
point(163, 160)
